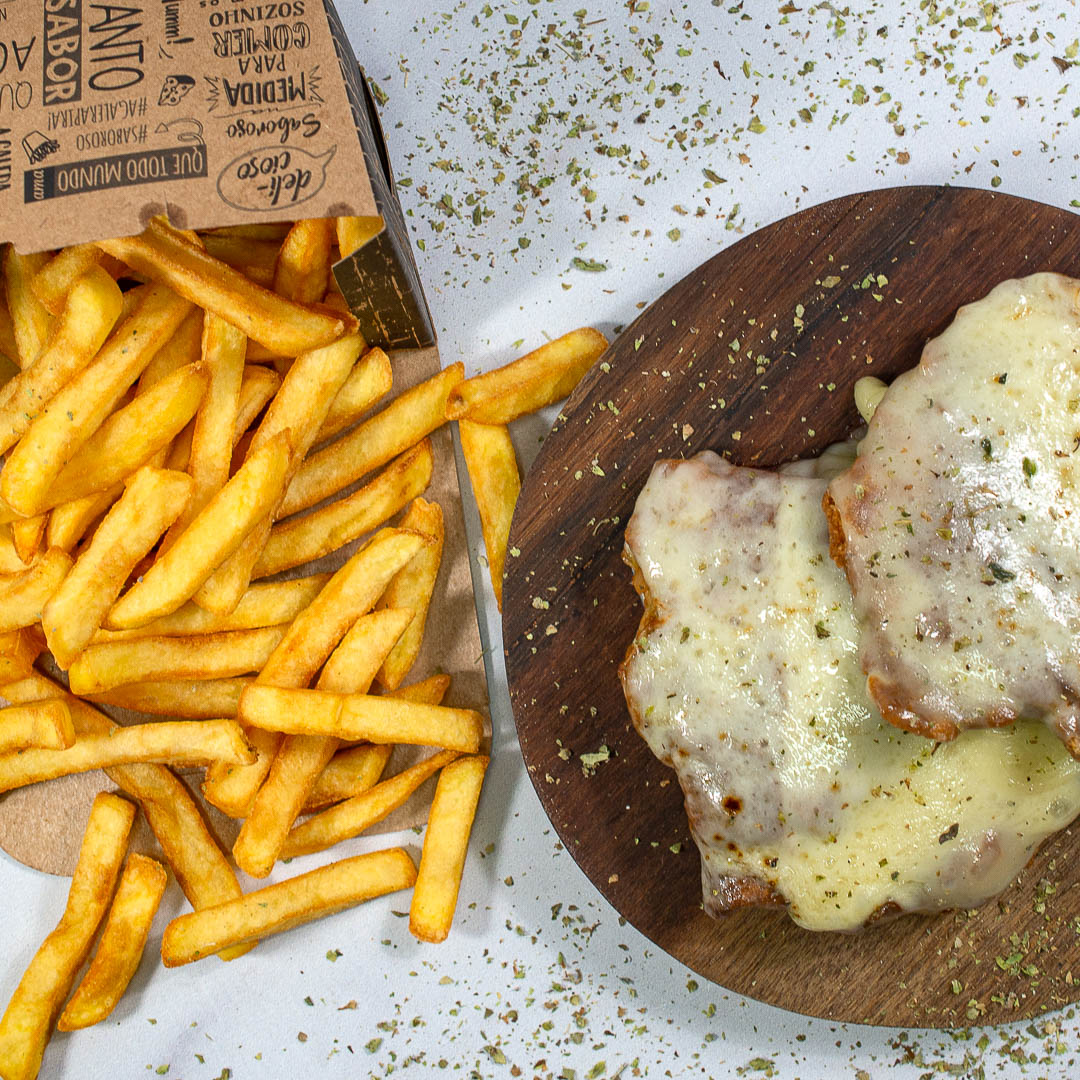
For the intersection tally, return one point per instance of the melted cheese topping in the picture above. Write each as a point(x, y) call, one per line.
point(746, 679)
point(961, 521)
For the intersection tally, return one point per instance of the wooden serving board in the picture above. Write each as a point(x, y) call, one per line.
point(754, 355)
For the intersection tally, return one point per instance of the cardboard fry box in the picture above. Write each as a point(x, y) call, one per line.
point(213, 113)
point(218, 113)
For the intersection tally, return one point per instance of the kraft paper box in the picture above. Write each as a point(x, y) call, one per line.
point(217, 113)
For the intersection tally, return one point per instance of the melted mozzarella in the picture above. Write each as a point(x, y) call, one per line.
point(745, 677)
point(960, 521)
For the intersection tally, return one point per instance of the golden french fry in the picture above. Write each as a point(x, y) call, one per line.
point(28, 1020)
point(8, 346)
point(302, 539)
point(45, 724)
point(212, 436)
point(352, 817)
point(259, 385)
point(429, 691)
point(91, 311)
point(287, 904)
point(201, 869)
point(130, 437)
point(284, 327)
point(152, 500)
point(349, 772)
point(31, 321)
point(199, 699)
point(445, 844)
point(23, 595)
point(254, 258)
point(404, 422)
point(165, 742)
point(70, 521)
point(57, 277)
point(300, 406)
point(217, 531)
point(360, 717)
point(493, 472)
point(354, 232)
point(27, 534)
point(202, 656)
point(123, 939)
point(303, 263)
point(300, 759)
point(412, 587)
point(310, 639)
point(183, 348)
point(368, 381)
point(18, 651)
point(262, 605)
point(77, 411)
point(10, 560)
point(544, 376)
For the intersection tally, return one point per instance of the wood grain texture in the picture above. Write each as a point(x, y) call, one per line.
point(754, 355)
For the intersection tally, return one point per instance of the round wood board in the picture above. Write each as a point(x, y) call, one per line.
point(849, 288)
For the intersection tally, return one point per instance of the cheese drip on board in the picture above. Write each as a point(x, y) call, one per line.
point(745, 678)
point(959, 524)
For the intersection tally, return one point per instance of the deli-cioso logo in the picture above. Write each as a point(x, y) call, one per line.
point(115, 44)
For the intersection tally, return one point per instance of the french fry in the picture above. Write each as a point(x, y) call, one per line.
point(28, 1020)
point(360, 717)
point(404, 422)
point(352, 817)
point(215, 533)
point(183, 348)
point(493, 473)
point(201, 869)
point(202, 656)
point(300, 406)
point(302, 539)
point(152, 500)
point(354, 232)
point(123, 939)
point(165, 742)
point(411, 587)
point(24, 595)
point(91, 311)
point(69, 522)
point(262, 605)
point(130, 437)
point(56, 278)
point(212, 437)
point(287, 904)
point(349, 772)
point(303, 263)
point(18, 651)
point(200, 699)
point(245, 254)
point(31, 321)
point(8, 346)
point(284, 327)
point(258, 387)
point(368, 381)
point(77, 411)
point(10, 560)
point(310, 639)
point(429, 691)
point(44, 724)
point(264, 230)
point(300, 759)
point(27, 534)
point(544, 376)
point(445, 844)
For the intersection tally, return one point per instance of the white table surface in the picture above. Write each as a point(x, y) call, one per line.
point(609, 119)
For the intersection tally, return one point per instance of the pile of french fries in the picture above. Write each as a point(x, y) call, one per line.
point(185, 420)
